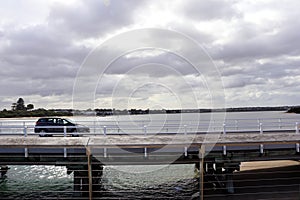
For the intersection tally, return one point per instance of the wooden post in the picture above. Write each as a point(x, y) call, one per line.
point(90, 176)
point(201, 185)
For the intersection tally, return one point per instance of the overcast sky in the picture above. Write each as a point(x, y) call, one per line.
point(254, 46)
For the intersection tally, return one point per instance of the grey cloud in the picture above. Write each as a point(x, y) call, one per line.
point(92, 18)
point(242, 81)
point(250, 42)
point(39, 69)
point(208, 10)
point(43, 59)
point(231, 70)
point(16, 86)
point(155, 66)
point(43, 42)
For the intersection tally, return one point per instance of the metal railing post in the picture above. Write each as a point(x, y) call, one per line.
point(25, 135)
point(94, 127)
point(104, 149)
point(65, 152)
point(260, 128)
point(224, 147)
point(118, 126)
point(145, 149)
point(185, 134)
point(25, 131)
point(297, 132)
point(145, 129)
point(65, 135)
point(145, 152)
point(297, 148)
point(105, 152)
point(261, 146)
point(279, 123)
point(65, 131)
point(104, 130)
point(26, 152)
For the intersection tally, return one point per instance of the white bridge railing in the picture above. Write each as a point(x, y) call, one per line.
point(144, 127)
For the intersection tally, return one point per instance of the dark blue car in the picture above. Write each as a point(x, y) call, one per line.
point(49, 126)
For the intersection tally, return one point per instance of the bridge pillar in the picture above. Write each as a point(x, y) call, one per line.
point(86, 181)
point(97, 172)
point(229, 169)
point(80, 183)
point(76, 184)
point(3, 171)
point(229, 182)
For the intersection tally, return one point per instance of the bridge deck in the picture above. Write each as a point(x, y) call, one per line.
point(137, 141)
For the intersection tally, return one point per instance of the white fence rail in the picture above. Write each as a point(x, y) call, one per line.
point(19, 127)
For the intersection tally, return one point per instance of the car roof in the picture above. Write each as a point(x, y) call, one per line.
point(45, 118)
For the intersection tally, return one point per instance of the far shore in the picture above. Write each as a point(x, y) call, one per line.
point(41, 112)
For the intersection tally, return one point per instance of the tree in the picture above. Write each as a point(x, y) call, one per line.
point(13, 106)
point(20, 104)
point(29, 107)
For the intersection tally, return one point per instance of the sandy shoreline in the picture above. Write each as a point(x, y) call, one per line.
point(267, 164)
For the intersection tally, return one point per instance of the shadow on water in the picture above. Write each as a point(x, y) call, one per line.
point(277, 183)
point(256, 184)
point(183, 189)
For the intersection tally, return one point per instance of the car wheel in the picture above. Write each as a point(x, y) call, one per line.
point(42, 133)
point(75, 135)
point(74, 132)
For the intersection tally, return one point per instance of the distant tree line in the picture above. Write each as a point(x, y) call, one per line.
point(18, 109)
point(295, 109)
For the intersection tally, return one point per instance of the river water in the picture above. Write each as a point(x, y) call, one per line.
point(121, 182)
point(52, 182)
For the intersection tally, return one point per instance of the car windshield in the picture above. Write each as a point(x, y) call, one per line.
point(70, 120)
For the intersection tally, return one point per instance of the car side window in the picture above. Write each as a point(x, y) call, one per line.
point(59, 121)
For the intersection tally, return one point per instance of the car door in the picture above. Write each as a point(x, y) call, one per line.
point(70, 126)
point(50, 124)
point(58, 123)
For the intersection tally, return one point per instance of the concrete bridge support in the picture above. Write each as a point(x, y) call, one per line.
point(217, 176)
point(3, 171)
point(84, 183)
